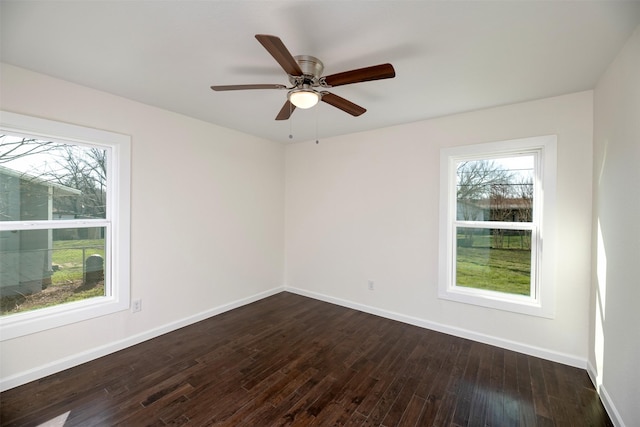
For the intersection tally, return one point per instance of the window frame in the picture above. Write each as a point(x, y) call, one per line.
point(116, 222)
point(541, 301)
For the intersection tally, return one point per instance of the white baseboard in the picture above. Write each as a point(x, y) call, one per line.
point(86, 356)
point(543, 353)
point(593, 374)
point(607, 402)
point(611, 409)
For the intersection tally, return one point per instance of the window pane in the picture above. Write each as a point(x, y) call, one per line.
point(44, 180)
point(494, 259)
point(42, 268)
point(495, 190)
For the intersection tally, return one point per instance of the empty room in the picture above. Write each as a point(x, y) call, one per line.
point(256, 213)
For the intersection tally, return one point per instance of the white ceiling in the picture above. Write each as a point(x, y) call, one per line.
point(449, 56)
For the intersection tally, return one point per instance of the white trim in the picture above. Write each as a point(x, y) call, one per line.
point(542, 300)
point(53, 224)
point(23, 125)
point(593, 374)
point(86, 356)
point(543, 353)
point(607, 402)
point(117, 222)
point(611, 409)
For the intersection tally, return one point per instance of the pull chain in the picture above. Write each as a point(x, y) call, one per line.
point(317, 125)
point(290, 120)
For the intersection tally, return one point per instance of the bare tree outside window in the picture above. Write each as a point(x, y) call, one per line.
point(86, 171)
point(14, 148)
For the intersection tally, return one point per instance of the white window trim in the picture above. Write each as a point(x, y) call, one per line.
point(117, 272)
point(542, 301)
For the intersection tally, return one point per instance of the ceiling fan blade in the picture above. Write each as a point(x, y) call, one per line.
point(285, 111)
point(280, 53)
point(376, 72)
point(245, 87)
point(343, 104)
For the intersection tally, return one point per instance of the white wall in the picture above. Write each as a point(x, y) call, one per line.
point(365, 207)
point(207, 220)
point(359, 207)
point(615, 329)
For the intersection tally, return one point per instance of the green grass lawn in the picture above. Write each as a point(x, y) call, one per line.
point(67, 255)
point(66, 283)
point(501, 270)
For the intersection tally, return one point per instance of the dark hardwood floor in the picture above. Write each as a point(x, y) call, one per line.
point(291, 360)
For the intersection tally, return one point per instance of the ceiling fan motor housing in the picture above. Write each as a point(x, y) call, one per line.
point(311, 67)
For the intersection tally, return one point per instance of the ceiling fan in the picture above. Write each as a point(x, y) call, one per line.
point(305, 76)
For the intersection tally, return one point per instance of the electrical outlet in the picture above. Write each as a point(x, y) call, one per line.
point(371, 286)
point(136, 305)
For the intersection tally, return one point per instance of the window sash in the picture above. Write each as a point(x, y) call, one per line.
point(496, 224)
point(534, 291)
point(53, 224)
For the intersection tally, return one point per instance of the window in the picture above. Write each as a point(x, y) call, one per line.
point(64, 223)
point(497, 213)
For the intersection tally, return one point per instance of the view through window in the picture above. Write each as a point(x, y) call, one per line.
point(54, 195)
point(497, 206)
point(494, 214)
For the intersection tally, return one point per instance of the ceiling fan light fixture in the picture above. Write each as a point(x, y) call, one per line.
point(304, 98)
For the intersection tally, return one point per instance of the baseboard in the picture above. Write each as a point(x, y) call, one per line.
point(86, 356)
point(616, 419)
point(593, 374)
point(607, 402)
point(543, 353)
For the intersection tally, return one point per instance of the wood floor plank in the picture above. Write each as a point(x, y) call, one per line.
point(438, 391)
point(592, 412)
point(298, 414)
point(445, 410)
point(466, 387)
point(538, 389)
point(438, 353)
point(284, 400)
point(511, 395)
point(307, 362)
point(386, 400)
point(358, 387)
point(417, 364)
point(295, 383)
point(412, 412)
point(356, 420)
point(495, 409)
point(481, 395)
point(525, 391)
